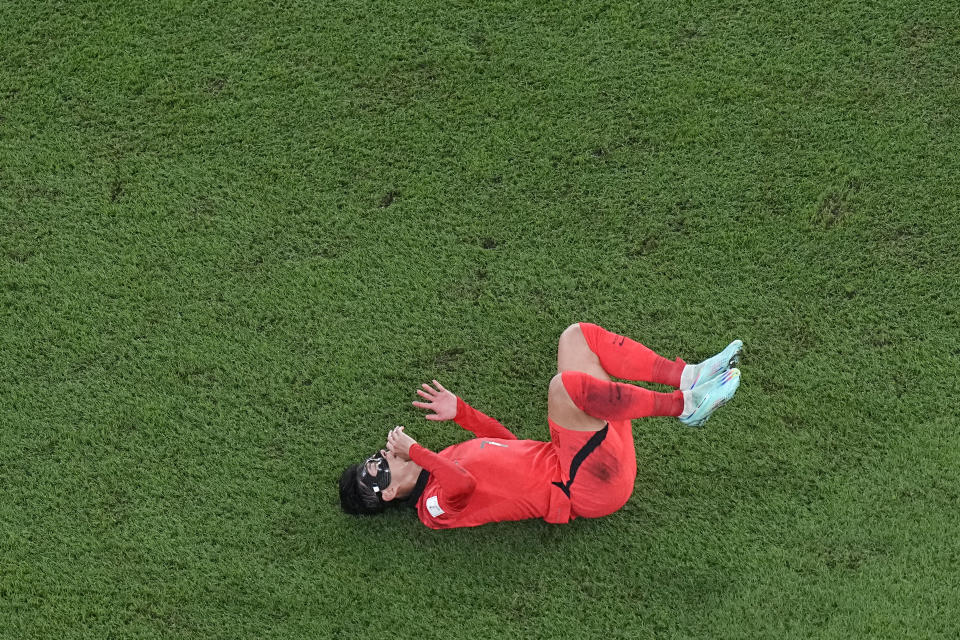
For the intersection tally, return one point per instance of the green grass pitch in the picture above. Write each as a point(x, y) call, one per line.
point(234, 238)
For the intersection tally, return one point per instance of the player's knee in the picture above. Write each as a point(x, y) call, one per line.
point(558, 396)
point(573, 333)
point(572, 341)
point(556, 386)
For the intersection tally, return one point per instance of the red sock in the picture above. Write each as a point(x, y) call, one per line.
point(617, 400)
point(624, 358)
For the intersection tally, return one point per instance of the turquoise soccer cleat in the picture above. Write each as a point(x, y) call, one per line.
point(723, 361)
point(712, 395)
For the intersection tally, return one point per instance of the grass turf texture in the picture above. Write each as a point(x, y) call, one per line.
point(234, 238)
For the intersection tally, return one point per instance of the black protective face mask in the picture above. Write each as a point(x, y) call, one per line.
point(377, 482)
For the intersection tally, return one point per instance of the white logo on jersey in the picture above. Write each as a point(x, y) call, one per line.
point(433, 506)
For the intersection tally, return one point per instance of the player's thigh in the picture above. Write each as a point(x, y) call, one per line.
point(574, 354)
point(562, 410)
point(605, 477)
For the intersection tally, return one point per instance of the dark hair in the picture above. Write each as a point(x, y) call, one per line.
point(356, 498)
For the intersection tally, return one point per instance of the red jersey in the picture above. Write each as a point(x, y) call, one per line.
point(491, 478)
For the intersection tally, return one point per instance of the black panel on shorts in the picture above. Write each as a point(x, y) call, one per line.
point(585, 451)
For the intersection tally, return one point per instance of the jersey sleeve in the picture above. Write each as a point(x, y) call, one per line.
point(482, 425)
point(456, 483)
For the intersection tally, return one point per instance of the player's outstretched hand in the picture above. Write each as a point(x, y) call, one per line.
point(399, 443)
point(441, 402)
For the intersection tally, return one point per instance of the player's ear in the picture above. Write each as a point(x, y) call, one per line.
point(389, 493)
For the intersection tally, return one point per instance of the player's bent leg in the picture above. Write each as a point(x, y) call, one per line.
point(608, 400)
point(562, 410)
point(574, 354)
point(623, 357)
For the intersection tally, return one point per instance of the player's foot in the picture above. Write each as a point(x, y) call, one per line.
point(694, 374)
point(700, 403)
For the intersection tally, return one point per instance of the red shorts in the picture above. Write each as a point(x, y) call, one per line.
point(598, 467)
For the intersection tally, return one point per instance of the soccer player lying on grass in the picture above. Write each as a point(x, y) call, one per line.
point(588, 467)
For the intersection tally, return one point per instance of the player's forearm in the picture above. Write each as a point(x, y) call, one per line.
point(479, 423)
